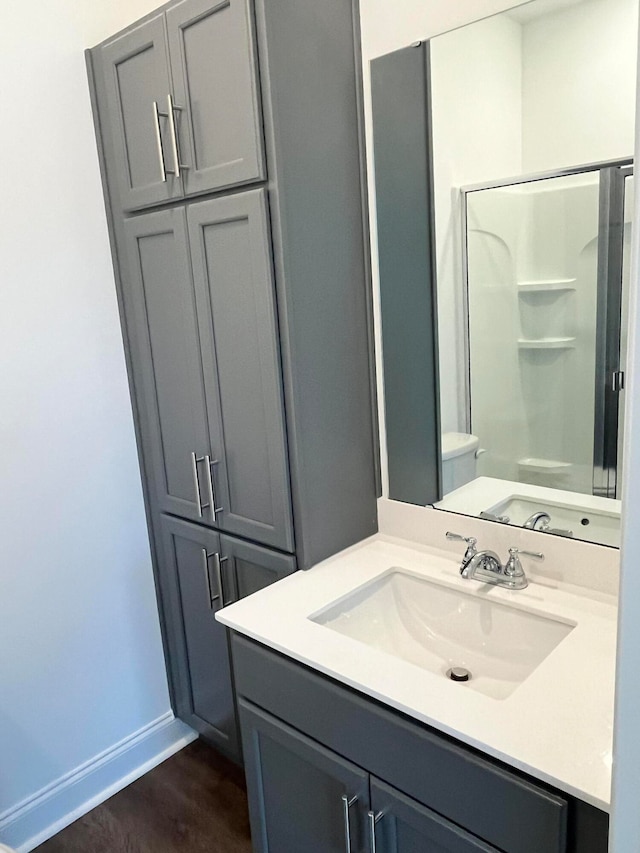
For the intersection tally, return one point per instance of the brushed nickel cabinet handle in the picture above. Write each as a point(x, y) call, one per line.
point(346, 808)
point(205, 562)
point(373, 820)
point(218, 564)
point(195, 459)
point(196, 483)
point(209, 463)
point(171, 110)
point(156, 124)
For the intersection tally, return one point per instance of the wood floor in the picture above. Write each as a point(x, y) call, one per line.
point(195, 802)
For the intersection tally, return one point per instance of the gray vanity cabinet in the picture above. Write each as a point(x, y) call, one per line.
point(133, 72)
point(299, 792)
point(303, 796)
point(215, 85)
point(428, 791)
point(229, 238)
point(181, 92)
point(196, 583)
point(403, 825)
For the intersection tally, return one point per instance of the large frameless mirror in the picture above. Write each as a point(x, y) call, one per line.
point(504, 187)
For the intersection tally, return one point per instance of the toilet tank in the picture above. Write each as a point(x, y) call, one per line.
point(458, 460)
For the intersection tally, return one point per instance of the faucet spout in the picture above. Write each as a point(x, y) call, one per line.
point(485, 565)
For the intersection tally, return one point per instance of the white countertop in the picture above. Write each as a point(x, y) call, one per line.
point(557, 725)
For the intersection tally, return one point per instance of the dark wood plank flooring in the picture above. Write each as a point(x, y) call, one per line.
point(195, 802)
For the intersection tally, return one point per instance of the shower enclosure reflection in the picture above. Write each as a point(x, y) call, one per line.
point(533, 282)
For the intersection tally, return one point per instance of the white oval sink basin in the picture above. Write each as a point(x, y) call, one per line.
point(436, 628)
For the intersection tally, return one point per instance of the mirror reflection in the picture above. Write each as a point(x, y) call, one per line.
point(530, 118)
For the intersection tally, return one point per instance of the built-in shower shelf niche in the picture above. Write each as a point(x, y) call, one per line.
point(535, 465)
point(551, 285)
point(546, 343)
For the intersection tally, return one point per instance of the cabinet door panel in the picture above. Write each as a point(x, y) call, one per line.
point(253, 568)
point(159, 287)
point(295, 788)
point(200, 644)
point(135, 70)
point(406, 826)
point(236, 311)
point(213, 62)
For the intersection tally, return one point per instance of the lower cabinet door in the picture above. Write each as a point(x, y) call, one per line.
point(303, 798)
point(252, 567)
point(398, 824)
point(195, 582)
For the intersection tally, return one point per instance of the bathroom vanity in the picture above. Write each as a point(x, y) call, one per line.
point(355, 737)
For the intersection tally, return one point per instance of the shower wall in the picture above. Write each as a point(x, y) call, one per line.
point(528, 96)
point(532, 259)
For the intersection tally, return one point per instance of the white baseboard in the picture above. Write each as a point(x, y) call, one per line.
point(49, 810)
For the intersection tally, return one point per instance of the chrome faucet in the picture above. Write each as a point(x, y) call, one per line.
point(538, 521)
point(487, 566)
point(542, 521)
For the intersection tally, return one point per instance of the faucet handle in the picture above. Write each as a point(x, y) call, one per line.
point(470, 540)
point(513, 568)
point(535, 555)
point(471, 546)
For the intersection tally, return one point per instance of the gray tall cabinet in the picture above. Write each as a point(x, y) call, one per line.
point(230, 141)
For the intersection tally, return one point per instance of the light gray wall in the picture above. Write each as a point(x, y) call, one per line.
point(81, 666)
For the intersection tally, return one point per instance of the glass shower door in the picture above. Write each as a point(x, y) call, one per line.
point(532, 275)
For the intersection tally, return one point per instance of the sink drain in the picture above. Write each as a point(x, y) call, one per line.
point(458, 673)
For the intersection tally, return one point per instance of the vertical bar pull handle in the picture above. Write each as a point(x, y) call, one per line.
point(219, 561)
point(156, 124)
point(171, 110)
point(207, 577)
point(209, 463)
point(196, 482)
point(346, 808)
point(373, 820)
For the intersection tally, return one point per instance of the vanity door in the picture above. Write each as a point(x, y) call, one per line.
point(398, 824)
point(302, 797)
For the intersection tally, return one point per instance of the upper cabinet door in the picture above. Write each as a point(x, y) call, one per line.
point(238, 332)
point(214, 68)
point(162, 315)
point(137, 88)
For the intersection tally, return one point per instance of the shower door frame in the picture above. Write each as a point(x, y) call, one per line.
point(609, 370)
point(612, 175)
